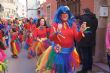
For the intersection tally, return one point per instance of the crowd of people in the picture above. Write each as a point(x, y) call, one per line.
point(13, 32)
point(60, 48)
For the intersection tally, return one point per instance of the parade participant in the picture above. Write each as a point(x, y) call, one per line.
point(42, 41)
point(27, 26)
point(108, 44)
point(26, 33)
point(41, 36)
point(2, 57)
point(1, 35)
point(30, 44)
point(39, 43)
point(90, 39)
point(1, 30)
point(1, 25)
point(2, 53)
point(20, 37)
point(63, 33)
point(20, 33)
point(28, 37)
point(6, 33)
point(15, 48)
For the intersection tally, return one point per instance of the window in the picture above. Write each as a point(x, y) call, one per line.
point(74, 5)
point(48, 14)
point(11, 1)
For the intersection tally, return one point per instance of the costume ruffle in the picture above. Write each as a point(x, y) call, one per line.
point(64, 62)
point(15, 47)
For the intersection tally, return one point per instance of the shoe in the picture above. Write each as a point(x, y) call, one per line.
point(29, 57)
point(14, 56)
point(82, 71)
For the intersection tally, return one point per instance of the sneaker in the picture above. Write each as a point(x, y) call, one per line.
point(14, 56)
point(29, 57)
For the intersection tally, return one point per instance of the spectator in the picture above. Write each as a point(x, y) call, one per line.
point(88, 42)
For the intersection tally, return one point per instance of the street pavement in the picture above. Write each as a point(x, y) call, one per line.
point(22, 64)
point(97, 68)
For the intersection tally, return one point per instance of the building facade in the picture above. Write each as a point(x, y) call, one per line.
point(47, 9)
point(77, 6)
point(31, 8)
point(100, 54)
point(21, 10)
point(8, 8)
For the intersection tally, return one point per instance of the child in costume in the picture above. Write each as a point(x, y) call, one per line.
point(28, 37)
point(29, 41)
point(20, 37)
point(31, 50)
point(26, 34)
point(15, 48)
point(61, 57)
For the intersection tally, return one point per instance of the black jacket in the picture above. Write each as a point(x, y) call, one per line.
point(90, 33)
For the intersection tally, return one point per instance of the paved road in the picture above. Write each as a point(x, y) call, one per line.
point(21, 64)
point(24, 65)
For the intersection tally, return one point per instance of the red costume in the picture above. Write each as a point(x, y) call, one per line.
point(15, 48)
point(69, 34)
point(41, 34)
point(61, 56)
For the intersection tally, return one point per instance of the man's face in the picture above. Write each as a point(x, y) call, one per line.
point(31, 20)
point(64, 17)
